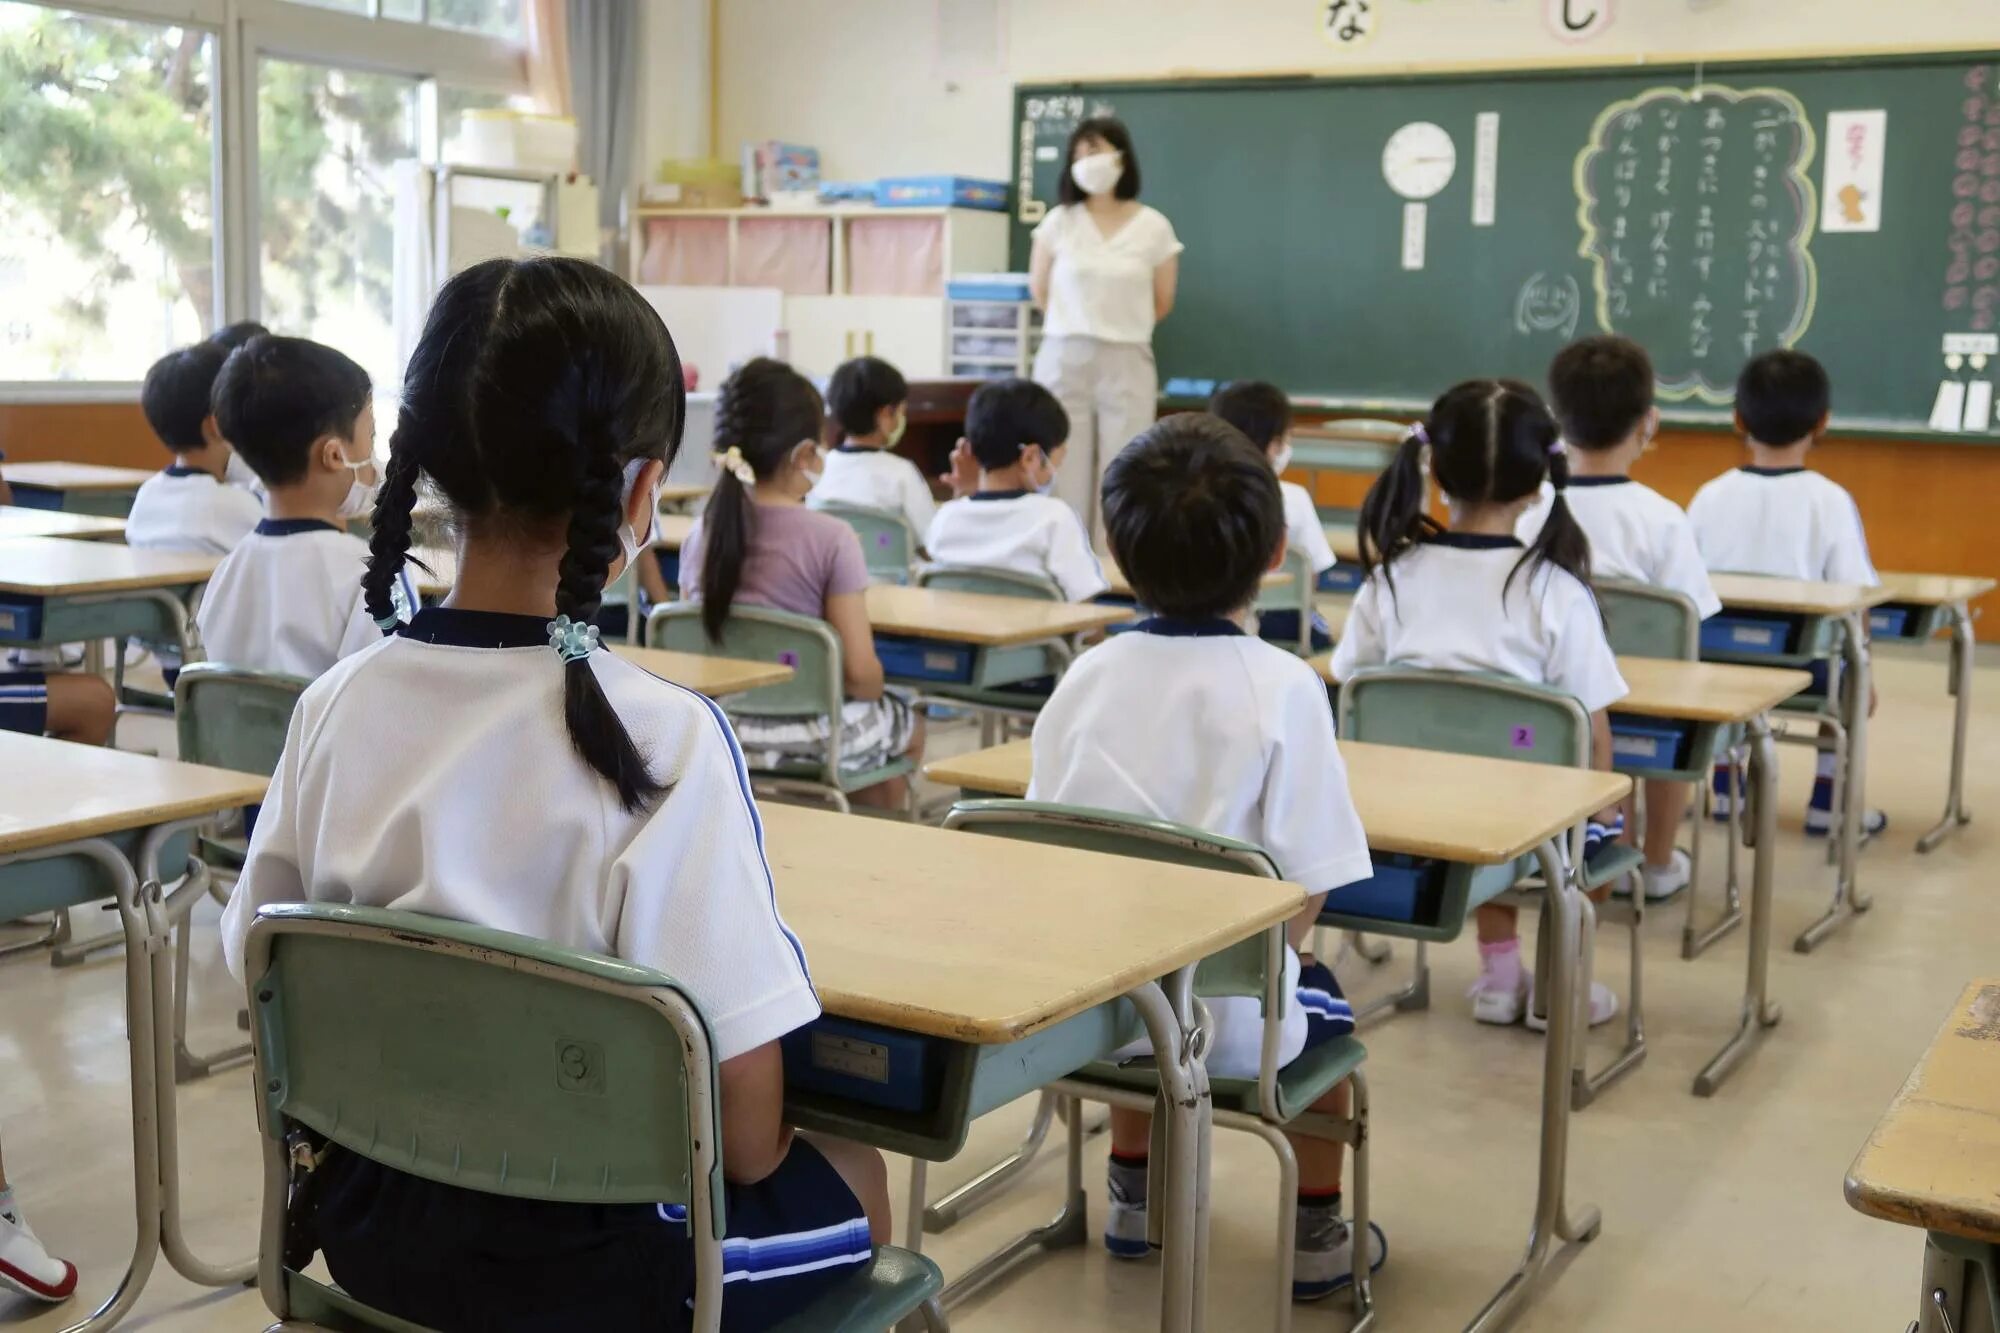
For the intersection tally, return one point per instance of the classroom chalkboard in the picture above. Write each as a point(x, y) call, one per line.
point(1367, 242)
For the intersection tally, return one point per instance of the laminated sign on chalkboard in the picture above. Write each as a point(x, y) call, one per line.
point(1367, 242)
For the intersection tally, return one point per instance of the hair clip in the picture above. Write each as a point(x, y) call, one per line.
point(731, 460)
point(1419, 434)
point(572, 639)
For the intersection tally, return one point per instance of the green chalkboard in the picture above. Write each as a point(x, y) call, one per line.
point(1366, 243)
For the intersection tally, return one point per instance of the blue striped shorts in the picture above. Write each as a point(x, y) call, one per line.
point(24, 701)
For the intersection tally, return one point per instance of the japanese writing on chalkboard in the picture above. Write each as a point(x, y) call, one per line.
point(1697, 211)
point(1348, 22)
point(1972, 270)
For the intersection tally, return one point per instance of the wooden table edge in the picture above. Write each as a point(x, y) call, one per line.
point(41, 838)
point(1801, 679)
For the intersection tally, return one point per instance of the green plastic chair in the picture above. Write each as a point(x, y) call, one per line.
point(1270, 1105)
point(1296, 594)
point(888, 542)
point(811, 648)
point(495, 1062)
point(234, 718)
point(997, 708)
point(1498, 717)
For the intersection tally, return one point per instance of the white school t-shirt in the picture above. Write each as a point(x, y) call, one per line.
point(1448, 613)
point(1021, 531)
point(1790, 523)
point(1635, 534)
point(288, 599)
point(433, 773)
point(1101, 288)
point(187, 510)
point(1199, 723)
point(875, 479)
point(1304, 532)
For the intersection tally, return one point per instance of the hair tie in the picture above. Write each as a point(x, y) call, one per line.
point(1558, 448)
point(572, 639)
point(731, 460)
point(1419, 434)
point(390, 623)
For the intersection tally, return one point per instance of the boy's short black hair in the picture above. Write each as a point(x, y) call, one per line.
point(276, 396)
point(1112, 130)
point(1259, 409)
point(175, 395)
point(1005, 416)
point(1782, 396)
point(860, 389)
point(1601, 389)
point(1193, 514)
point(233, 336)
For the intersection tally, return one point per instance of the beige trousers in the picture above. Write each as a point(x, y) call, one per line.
point(1111, 392)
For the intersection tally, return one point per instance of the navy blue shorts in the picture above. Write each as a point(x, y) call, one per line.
point(1328, 1014)
point(451, 1258)
point(24, 701)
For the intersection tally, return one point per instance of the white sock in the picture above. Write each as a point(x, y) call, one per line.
point(1826, 767)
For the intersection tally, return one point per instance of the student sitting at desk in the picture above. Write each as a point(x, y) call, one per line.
point(1225, 733)
point(1015, 432)
point(1776, 516)
point(866, 398)
point(488, 762)
point(288, 598)
point(1263, 412)
point(756, 542)
point(202, 503)
point(1474, 598)
point(1602, 392)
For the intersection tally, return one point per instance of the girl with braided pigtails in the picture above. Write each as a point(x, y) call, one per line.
point(488, 762)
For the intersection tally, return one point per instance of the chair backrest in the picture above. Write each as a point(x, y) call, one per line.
point(989, 581)
point(232, 717)
point(1494, 716)
point(1296, 593)
point(485, 1060)
point(806, 644)
point(1642, 620)
point(888, 542)
point(1240, 969)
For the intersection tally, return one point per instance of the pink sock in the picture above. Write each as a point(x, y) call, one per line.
point(1500, 964)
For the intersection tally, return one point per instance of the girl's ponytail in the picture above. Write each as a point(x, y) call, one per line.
point(1392, 513)
point(389, 543)
point(1562, 541)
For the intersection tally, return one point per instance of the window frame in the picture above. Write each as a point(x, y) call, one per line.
point(244, 33)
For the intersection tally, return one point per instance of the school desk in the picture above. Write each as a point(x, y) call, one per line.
point(1790, 622)
point(712, 676)
point(1345, 576)
point(1934, 1162)
point(81, 488)
point(1479, 817)
point(18, 521)
point(679, 496)
point(80, 824)
point(54, 592)
point(1920, 606)
point(926, 636)
point(984, 964)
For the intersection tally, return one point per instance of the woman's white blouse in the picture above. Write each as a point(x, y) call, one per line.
point(1103, 288)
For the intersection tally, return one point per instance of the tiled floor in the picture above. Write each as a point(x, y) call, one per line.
point(1723, 1214)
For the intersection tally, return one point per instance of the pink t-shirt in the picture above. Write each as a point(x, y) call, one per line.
point(798, 557)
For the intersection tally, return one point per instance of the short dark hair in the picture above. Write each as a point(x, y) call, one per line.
point(276, 396)
point(860, 389)
point(1782, 396)
point(175, 395)
point(233, 336)
point(1601, 389)
point(1005, 416)
point(1259, 409)
point(1193, 514)
point(1112, 130)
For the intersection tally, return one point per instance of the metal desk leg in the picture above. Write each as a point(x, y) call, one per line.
point(1758, 1010)
point(142, 1039)
point(1847, 896)
point(1552, 1216)
point(960, 1203)
point(1184, 1098)
point(161, 981)
point(1959, 681)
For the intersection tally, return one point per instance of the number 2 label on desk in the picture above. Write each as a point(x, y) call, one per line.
point(1522, 738)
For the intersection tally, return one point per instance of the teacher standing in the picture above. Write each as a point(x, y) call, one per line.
point(1103, 273)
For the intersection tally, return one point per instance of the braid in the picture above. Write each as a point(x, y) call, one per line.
point(389, 544)
point(599, 737)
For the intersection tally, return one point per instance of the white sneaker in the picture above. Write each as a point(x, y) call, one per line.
point(1819, 822)
point(1324, 1263)
point(1603, 1008)
point(1124, 1225)
point(1494, 1002)
point(28, 1268)
point(1662, 882)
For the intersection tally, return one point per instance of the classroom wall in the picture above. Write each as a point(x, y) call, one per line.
point(111, 433)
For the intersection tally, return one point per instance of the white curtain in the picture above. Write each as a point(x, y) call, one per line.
point(604, 91)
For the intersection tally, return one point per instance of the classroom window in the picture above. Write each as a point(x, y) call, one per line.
point(494, 18)
point(107, 200)
point(327, 142)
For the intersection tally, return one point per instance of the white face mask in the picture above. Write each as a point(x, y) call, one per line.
point(239, 473)
point(360, 497)
point(1099, 173)
point(1283, 458)
point(627, 538)
point(895, 436)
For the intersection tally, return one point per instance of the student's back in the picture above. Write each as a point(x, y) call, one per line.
point(288, 597)
point(866, 398)
point(192, 505)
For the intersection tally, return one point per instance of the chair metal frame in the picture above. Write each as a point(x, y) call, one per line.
point(1295, 595)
